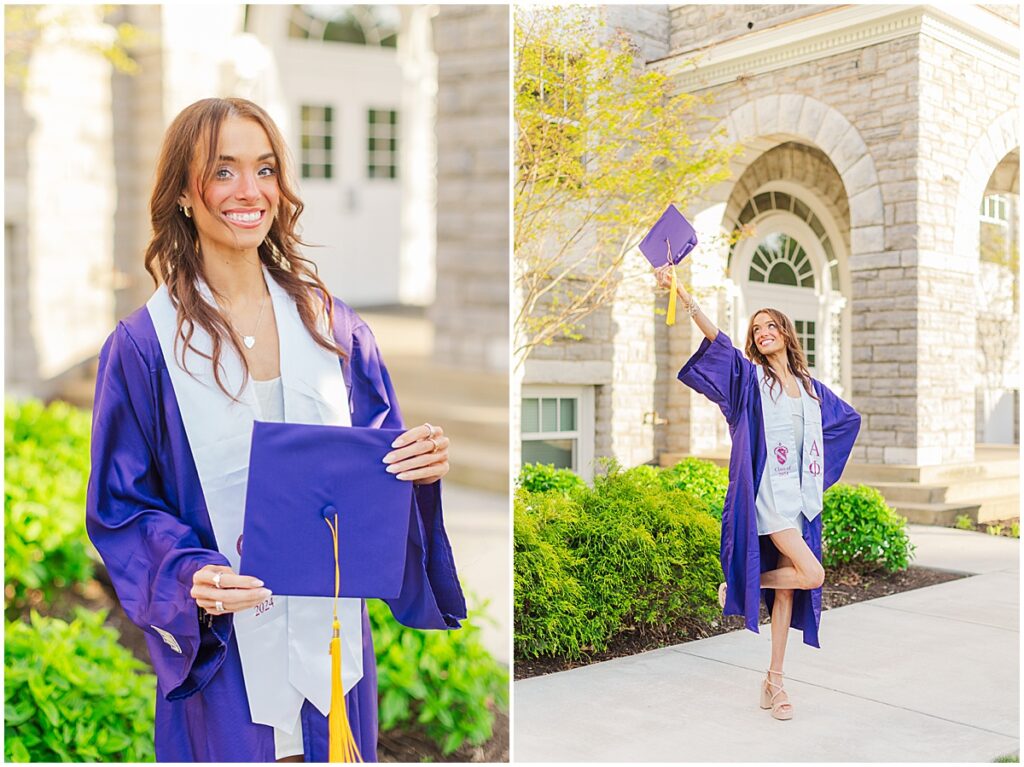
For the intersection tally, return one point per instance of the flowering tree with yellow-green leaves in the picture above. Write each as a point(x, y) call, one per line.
point(602, 146)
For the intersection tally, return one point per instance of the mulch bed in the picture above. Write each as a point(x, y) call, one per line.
point(843, 586)
point(397, 745)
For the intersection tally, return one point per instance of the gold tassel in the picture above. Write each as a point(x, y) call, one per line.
point(342, 742)
point(670, 317)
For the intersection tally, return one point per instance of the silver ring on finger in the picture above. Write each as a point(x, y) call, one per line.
point(216, 580)
point(434, 443)
point(429, 426)
point(219, 606)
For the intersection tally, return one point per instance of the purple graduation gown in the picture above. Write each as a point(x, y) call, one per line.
point(147, 517)
point(721, 373)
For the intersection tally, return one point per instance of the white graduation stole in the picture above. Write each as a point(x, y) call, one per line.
point(283, 646)
point(781, 466)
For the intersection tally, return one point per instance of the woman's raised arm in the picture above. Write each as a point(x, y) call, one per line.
point(690, 306)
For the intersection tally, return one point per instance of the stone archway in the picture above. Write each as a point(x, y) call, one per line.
point(1002, 137)
point(761, 125)
point(771, 120)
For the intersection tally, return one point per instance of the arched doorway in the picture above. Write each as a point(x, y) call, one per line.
point(791, 263)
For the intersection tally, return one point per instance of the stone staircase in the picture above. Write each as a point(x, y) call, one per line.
point(985, 489)
point(471, 405)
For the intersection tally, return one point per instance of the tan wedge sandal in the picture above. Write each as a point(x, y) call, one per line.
point(781, 710)
point(721, 595)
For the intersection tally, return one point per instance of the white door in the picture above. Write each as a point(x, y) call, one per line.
point(780, 268)
point(342, 102)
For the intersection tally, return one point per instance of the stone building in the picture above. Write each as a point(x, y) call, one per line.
point(879, 177)
point(363, 99)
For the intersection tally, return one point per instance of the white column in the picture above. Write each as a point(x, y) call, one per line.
point(417, 150)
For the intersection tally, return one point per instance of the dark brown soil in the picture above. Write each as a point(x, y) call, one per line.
point(843, 586)
point(393, 746)
point(415, 746)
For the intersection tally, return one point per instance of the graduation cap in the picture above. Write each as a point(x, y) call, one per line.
point(669, 242)
point(324, 518)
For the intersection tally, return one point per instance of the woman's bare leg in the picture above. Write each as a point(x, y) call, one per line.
point(798, 568)
point(296, 758)
point(804, 571)
point(782, 613)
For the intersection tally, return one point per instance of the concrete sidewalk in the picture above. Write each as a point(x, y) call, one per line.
point(926, 675)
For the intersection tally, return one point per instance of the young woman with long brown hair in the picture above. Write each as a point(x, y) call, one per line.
point(791, 438)
point(241, 328)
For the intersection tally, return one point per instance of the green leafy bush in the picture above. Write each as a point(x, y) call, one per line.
point(624, 554)
point(46, 453)
point(539, 477)
point(701, 478)
point(548, 598)
point(73, 693)
point(963, 522)
point(444, 681)
point(859, 528)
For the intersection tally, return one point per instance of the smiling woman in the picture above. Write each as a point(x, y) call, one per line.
point(791, 438)
point(240, 329)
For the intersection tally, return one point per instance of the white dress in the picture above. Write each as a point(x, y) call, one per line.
point(270, 395)
point(769, 518)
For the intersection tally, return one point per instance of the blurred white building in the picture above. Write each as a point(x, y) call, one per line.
point(355, 92)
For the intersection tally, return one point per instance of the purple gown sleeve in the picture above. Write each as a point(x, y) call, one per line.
point(431, 596)
point(720, 372)
point(840, 424)
point(150, 553)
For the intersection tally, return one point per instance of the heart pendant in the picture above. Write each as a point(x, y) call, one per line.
point(249, 341)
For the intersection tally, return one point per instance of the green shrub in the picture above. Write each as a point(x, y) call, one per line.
point(73, 693)
point(549, 611)
point(444, 681)
point(46, 454)
point(704, 479)
point(859, 528)
point(598, 561)
point(963, 522)
point(539, 477)
point(1015, 529)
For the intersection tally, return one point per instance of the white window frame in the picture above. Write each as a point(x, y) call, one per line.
point(318, 159)
point(991, 205)
point(583, 434)
point(382, 159)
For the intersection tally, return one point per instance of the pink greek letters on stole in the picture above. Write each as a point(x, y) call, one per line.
point(815, 466)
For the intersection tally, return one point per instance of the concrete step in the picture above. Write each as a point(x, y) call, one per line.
point(957, 491)
point(479, 464)
point(486, 423)
point(671, 459)
point(472, 406)
point(943, 514)
point(1005, 507)
point(419, 377)
point(995, 467)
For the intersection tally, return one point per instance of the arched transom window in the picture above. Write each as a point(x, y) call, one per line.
point(780, 260)
point(781, 201)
